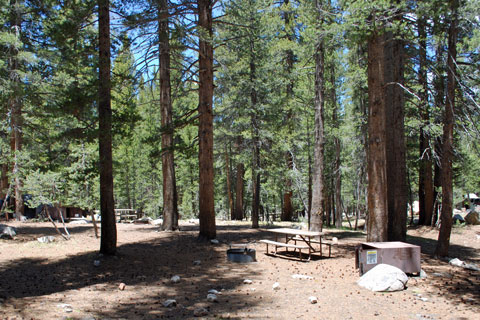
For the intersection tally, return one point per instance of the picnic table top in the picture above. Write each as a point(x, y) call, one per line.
point(295, 232)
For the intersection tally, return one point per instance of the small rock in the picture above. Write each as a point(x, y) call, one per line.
point(478, 236)
point(96, 263)
point(424, 299)
point(157, 222)
point(456, 262)
point(423, 274)
point(213, 291)
point(46, 239)
point(301, 276)
point(247, 281)
point(212, 297)
point(471, 266)
point(80, 221)
point(214, 241)
point(313, 299)
point(7, 232)
point(200, 312)
point(443, 275)
point(334, 240)
point(66, 307)
point(169, 303)
point(276, 286)
point(121, 286)
point(175, 279)
point(197, 262)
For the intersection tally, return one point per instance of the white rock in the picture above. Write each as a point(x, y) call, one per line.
point(212, 297)
point(213, 291)
point(457, 262)
point(46, 239)
point(80, 221)
point(7, 232)
point(301, 276)
point(169, 303)
point(384, 277)
point(96, 263)
point(247, 281)
point(423, 274)
point(63, 305)
point(424, 299)
point(175, 279)
point(214, 241)
point(197, 262)
point(276, 286)
point(471, 266)
point(200, 312)
point(313, 299)
point(157, 222)
point(334, 240)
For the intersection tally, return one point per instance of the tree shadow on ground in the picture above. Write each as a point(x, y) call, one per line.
point(145, 267)
point(457, 284)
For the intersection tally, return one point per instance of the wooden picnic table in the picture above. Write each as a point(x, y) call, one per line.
point(298, 240)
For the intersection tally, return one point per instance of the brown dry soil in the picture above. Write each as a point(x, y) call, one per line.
point(37, 280)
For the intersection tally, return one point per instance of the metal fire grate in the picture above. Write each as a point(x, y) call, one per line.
point(241, 254)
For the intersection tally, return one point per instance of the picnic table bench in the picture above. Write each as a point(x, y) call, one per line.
point(308, 239)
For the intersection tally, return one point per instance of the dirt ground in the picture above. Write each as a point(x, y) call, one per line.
point(59, 280)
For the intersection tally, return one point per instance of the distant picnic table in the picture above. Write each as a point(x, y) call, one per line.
point(298, 240)
point(126, 215)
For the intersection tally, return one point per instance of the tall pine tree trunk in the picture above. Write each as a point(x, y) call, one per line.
point(425, 183)
point(336, 141)
point(256, 146)
point(15, 106)
point(439, 96)
point(228, 172)
point(395, 133)
point(287, 209)
point(377, 174)
point(170, 213)
point(447, 146)
point(318, 183)
point(108, 243)
point(239, 192)
point(205, 121)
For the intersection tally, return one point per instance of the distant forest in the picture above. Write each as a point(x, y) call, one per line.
point(243, 109)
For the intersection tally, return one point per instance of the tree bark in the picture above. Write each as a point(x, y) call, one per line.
point(170, 213)
point(108, 242)
point(15, 105)
point(425, 184)
point(443, 242)
point(397, 195)
point(336, 142)
point(318, 183)
point(287, 209)
point(205, 122)
point(229, 184)
point(239, 192)
point(377, 175)
point(255, 146)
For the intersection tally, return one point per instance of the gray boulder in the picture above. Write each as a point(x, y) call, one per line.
point(473, 217)
point(7, 232)
point(384, 277)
